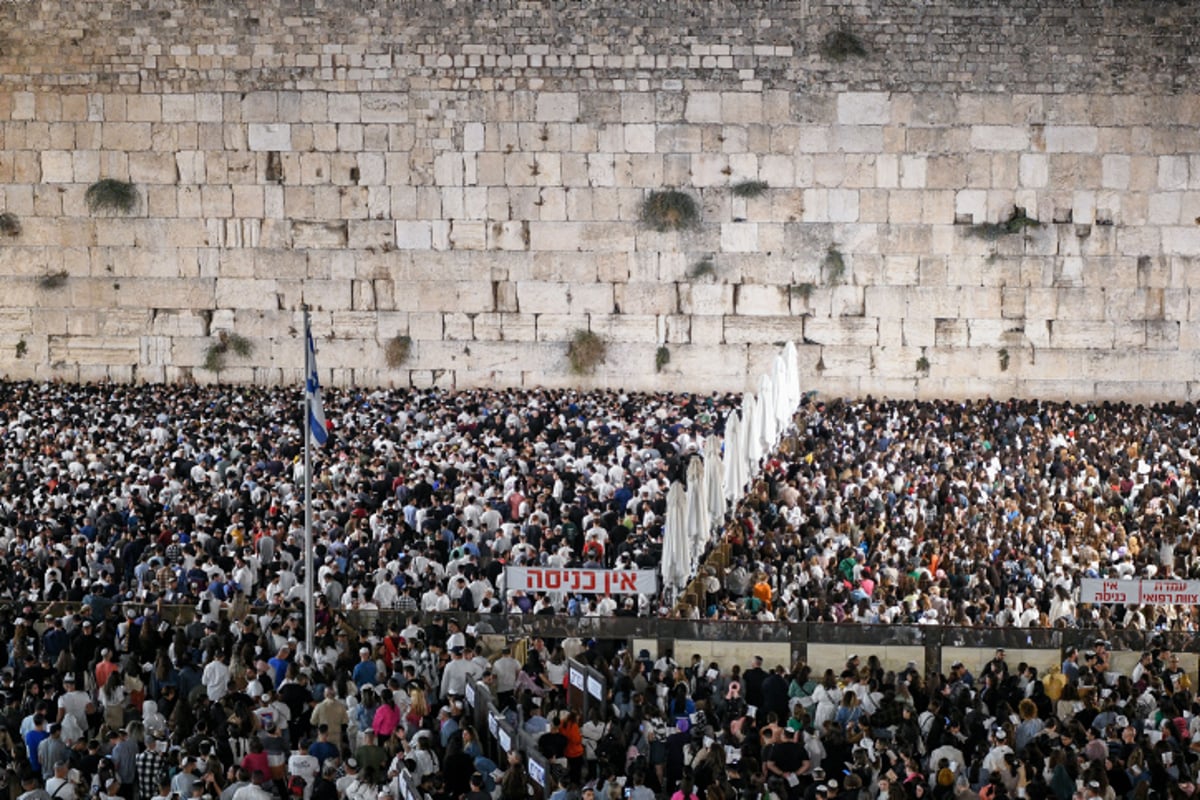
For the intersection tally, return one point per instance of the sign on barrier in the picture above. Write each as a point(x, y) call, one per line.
point(581, 581)
point(1097, 590)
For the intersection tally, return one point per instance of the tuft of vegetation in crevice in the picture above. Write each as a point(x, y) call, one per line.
point(113, 195)
point(1003, 355)
point(227, 342)
point(662, 357)
point(53, 280)
point(10, 224)
point(834, 265)
point(704, 268)
point(586, 351)
point(398, 350)
point(670, 210)
point(22, 348)
point(749, 189)
point(1017, 222)
point(842, 44)
point(803, 290)
point(923, 365)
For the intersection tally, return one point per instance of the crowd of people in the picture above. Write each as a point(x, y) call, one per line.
point(122, 502)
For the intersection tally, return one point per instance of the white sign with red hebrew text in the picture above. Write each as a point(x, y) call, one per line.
point(580, 581)
point(1164, 592)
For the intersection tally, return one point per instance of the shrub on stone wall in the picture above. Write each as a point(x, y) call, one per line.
point(10, 224)
point(110, 194)
point(749, 189)
point(397, 351)
point(227, 342)
point(662, 357)
point(670, 210)
point(841, 45)
point(586, 352)
point(53, 280)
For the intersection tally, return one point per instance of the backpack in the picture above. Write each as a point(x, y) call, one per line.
point(296, 786)
point(610, 749)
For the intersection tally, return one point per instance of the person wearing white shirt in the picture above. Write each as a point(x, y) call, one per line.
point(301, 764)
point(216, 678)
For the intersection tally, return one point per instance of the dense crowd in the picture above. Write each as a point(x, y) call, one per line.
point(121, 501)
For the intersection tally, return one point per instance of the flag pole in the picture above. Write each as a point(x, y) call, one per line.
point(309, 605)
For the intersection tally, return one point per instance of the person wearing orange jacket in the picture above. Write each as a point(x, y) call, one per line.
point(568, 726)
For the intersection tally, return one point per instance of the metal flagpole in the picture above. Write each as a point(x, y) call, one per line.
point(309, 605)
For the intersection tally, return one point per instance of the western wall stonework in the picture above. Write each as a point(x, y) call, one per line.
point(471, 174)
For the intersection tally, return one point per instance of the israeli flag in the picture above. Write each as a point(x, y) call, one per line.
point(312, 394)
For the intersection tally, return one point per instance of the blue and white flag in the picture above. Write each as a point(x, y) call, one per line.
point(312, 395)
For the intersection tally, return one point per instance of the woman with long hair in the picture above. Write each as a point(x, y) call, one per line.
point(112, 696)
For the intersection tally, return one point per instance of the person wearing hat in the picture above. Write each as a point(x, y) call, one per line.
point(1001, 748)
point(152, 766)
point(76, 705)
point(185, 779)
point(366, 670)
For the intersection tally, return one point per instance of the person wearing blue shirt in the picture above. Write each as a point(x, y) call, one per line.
point(322, 748)
point(33, 738)
point(365, 670)
point(280, 665)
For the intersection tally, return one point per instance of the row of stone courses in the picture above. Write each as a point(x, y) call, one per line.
point(771, 106)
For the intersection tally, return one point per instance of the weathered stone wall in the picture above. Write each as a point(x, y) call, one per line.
point(470, 175)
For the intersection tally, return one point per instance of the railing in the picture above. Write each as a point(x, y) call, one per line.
point(934, 639)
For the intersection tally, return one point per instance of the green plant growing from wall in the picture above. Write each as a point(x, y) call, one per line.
point(670, 210)
point(53, 280)
point(803, 290)
point(586, 351)
point(112, 195)
point(704, 268)
point(1017, 222)
point(397, 351)
point(227, 342)
point(834, 265)
point(923, 365)
point(662, 357)
point(841, 44)
point(749, 189)
point(22, 348)
point(1003, 355)
point(10, 224)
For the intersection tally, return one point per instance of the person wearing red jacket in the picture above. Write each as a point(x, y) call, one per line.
point(568, 726)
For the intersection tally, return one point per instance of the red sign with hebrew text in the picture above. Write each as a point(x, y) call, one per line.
point(580, 581)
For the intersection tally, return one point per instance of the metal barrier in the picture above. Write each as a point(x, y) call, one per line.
point(666, 630)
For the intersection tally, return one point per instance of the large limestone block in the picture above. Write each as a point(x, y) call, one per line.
point(99, 351)
point(646, 298)
point(752, 330)
point(999, 137)
point(591, 298)
point(625, 328)
point(845, 331)
point(1071, 138)
point(536, 297)
point(246, 293)
point(761, 301)
point(272, 136)
point(1081, 334)
point(706, 298)
point(557, 107)
point(863, 108)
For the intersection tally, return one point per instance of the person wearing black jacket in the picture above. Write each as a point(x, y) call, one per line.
point(752, 684)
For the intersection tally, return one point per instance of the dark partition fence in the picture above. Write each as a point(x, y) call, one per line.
point(666, 631)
